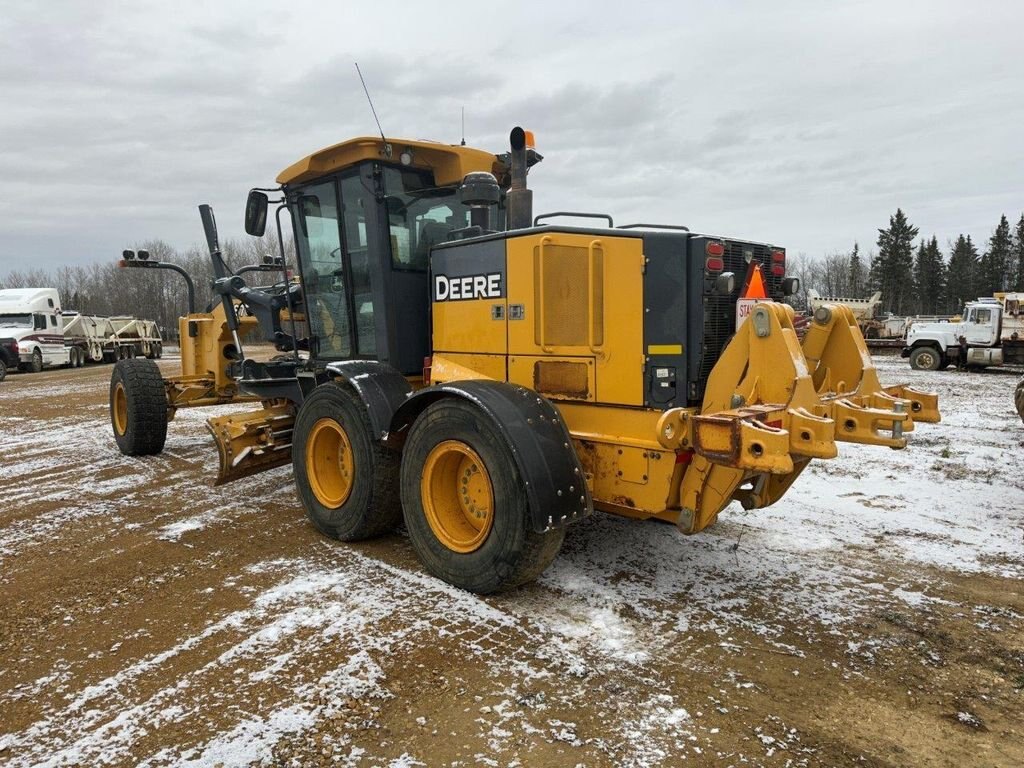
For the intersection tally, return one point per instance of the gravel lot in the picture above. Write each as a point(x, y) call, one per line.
point(873, 617)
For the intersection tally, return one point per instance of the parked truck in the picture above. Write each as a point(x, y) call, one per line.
point(990, 331)
point(35, 333)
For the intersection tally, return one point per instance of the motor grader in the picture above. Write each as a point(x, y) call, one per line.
point(492, 378)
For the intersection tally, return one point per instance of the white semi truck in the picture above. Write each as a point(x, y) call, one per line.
point(35, 333)
point(989, 332)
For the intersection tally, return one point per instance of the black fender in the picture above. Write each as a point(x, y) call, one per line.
point(380, 386)
point(555, 483)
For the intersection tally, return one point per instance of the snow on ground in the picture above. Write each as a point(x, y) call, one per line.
point(621, 596)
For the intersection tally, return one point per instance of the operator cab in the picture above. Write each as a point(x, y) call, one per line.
point(365, 215)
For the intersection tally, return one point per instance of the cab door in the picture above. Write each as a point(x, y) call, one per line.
point(982, 326)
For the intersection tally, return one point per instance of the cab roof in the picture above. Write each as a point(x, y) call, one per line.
point(449, 162)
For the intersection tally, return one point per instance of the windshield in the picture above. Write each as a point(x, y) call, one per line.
point(14, 321)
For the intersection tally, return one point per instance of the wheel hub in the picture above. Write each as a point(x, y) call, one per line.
point(120, 409)
point(457, 496)
point(330, 464)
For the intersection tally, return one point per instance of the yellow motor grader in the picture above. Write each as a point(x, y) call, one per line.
point(491, 377)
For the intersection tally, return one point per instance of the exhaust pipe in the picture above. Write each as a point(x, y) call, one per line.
point(519, 199)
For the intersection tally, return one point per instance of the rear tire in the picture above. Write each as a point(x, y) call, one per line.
point(3, 370)
point(483, 554)
point(925, 359)
point(138, 407)
point(347, 481)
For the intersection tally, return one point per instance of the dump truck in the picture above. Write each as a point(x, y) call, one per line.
point(491, 378)
point(989, 332)
point(40, 334)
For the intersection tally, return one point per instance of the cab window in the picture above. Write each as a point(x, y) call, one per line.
point(355, 200)
point(420, 216)
point(319, 245)
point(982, 316)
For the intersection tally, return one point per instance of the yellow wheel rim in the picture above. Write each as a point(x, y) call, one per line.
point(330, 466)
point(457, 496)
point(120, 409)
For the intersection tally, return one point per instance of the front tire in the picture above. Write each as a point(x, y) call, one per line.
point(138, 407)
point(465, 504)
point(925, 359)
point(36, 365)
point(347, 481)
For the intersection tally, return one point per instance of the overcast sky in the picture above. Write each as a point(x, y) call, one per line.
point(804, 124)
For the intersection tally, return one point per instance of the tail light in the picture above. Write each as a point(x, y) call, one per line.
point(714, 251)
point(426, 369)
point(779, 263)
point(778, 270)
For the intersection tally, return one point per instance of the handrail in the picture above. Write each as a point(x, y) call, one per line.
point(597, 349)
point(574, 213)
point(540, 289)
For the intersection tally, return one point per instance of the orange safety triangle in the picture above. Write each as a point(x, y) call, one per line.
point(754, 288)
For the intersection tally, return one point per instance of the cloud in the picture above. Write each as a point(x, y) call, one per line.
point(801, 123)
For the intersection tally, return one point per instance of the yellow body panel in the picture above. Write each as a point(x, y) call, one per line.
point(450, 163)
point(583, 297)
point(452, 366)
point(469, 327)
point(629, 472)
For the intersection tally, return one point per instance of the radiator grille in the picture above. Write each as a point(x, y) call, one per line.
point(563, 293)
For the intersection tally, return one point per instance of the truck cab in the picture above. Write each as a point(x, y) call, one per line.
point(32, 318)
point(980, 338)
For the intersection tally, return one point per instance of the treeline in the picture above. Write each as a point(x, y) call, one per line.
point(913, 276)
point(917, 277)
point(155, 294)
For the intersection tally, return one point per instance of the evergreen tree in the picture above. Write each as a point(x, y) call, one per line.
point(960, 276)
point(994, 271)
point(892, 271)
point(929, 277)
point(1017, 259)
point(920, 268)
point(856, 278)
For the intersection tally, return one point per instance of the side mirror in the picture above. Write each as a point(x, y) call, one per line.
point(725, 283)
point(256, 213)
point(791, 286)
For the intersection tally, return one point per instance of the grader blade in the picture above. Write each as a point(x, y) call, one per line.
point(771, 406)
point(248, 443)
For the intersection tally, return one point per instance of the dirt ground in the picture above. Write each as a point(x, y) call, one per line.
point(874, 617)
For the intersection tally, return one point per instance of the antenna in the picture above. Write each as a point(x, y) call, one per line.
point(463, 126)
point(387, 147)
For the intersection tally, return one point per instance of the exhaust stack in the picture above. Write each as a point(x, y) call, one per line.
point(519, 199)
